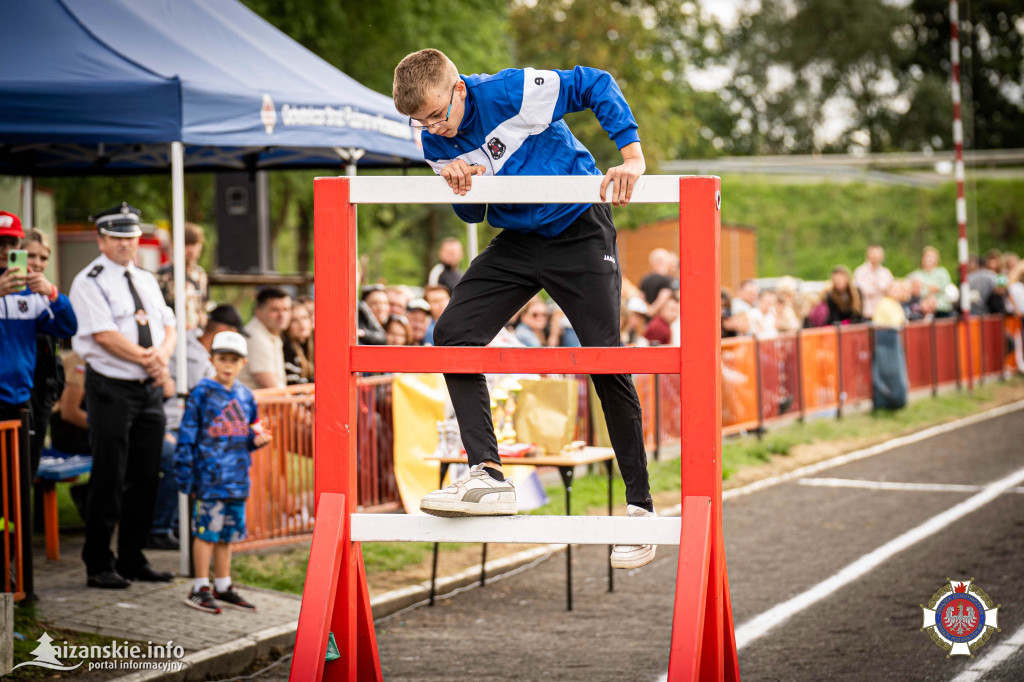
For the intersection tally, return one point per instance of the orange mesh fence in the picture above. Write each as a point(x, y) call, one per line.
point(917, 347)
point(856, 354)
point(739, 384)
point(280, 505)
point(1013, 350)
point(994, 343)
point(819, 366)
point(669, 394)
point(10, 499)
point(946, 351)
point(645, 391)
point(779, 376)
point(973, 364)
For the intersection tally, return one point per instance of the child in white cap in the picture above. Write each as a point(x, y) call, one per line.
point(220, 428)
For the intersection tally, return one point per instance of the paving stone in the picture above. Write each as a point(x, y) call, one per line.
point(144, 612)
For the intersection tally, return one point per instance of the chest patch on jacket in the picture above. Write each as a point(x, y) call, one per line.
point(496, 147)
point(230, 422)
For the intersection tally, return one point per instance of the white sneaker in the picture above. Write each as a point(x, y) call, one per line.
point(633, 556)
point(474, 495)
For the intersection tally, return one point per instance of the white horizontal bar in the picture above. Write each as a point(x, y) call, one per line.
point(577, 530)
point(572, 189)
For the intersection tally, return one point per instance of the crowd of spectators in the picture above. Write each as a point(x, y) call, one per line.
point(872, 294)
point(396, 315)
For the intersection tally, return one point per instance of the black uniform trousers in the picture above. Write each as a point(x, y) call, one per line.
point(579, 269)
point(126, 431)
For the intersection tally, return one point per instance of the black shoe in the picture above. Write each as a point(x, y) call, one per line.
point(229, 596)
point(108, 580)
point(162, 541)
point(202, 599)
point(148, 574)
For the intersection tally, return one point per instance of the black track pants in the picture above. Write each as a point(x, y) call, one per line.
point(579, 269)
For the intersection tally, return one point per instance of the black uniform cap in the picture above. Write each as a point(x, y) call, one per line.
point(120, 221)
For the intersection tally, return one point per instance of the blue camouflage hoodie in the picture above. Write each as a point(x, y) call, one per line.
point(513, 126)
point(212, 459)
point(22, 315)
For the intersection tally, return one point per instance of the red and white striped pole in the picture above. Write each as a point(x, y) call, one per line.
point(958, 171)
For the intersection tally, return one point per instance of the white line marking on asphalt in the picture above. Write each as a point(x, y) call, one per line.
point(998, 652)
point(873, 450)
point(760, 625)
point(862, 454)
point(892, 485)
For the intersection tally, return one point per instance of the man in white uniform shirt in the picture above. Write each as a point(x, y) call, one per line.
point(873, 279)
point(265, 368)
point(126, 337)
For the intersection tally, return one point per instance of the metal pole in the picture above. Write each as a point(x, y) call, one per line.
point(958, 167)
point(181, 362)
point(263, 251)
point(839, 370)
point(471, 242)
point(28, 213)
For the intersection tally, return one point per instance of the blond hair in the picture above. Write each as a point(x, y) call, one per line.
point(34, 234)
point(418, 73)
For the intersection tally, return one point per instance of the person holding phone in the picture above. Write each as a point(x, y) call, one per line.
point(29, 305)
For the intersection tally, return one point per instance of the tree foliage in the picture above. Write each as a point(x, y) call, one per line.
point(830, 75)
point(648, 46)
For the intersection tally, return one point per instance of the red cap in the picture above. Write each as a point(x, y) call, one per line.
point(10, 225)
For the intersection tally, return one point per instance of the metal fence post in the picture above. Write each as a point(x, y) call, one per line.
point(839, 370)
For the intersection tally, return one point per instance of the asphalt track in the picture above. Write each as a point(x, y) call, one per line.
point(782, 542)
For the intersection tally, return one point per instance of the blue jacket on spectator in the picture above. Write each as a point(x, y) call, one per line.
point(214, 441)
point(22, 315)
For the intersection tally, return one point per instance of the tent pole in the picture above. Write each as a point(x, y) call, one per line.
point(28, 213)
point(353, 156)
point(471, 244)
point(181, 361)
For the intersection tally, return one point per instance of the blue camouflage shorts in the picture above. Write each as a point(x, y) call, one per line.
point(219, 520)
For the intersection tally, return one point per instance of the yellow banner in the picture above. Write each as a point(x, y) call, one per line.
point(418, 402)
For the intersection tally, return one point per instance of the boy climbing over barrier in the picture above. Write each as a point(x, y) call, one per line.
point(510, 123)
point(219, 429)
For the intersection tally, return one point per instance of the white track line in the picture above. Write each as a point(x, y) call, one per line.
point(892, 485)
point(760, 625)
point(998, 652)
point(888, 445)
point(862, 454)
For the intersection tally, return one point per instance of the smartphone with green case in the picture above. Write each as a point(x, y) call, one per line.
point(17, 259)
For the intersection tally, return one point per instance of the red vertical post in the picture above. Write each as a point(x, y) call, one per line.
point(335, 452)
point(701, 400)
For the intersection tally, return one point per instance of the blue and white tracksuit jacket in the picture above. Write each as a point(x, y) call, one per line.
point(513, 126)
point(22, 316)
point(214, 441)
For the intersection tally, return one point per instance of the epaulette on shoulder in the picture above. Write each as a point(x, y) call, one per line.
point(95, 271)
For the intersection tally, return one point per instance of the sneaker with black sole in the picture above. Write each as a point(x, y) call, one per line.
point(232, 598)
point(477, 494)
point(633, 556)
point(202, 599)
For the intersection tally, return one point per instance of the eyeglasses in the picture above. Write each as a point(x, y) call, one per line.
point(451, 100)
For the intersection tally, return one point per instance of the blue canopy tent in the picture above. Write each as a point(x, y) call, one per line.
point(105, 87)
point(130, 86)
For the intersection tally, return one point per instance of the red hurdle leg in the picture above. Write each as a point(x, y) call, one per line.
point(701, 425)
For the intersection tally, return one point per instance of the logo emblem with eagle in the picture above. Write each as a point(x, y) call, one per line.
point(960, 617)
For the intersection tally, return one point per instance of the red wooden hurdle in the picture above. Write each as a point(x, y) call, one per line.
point(335, 597)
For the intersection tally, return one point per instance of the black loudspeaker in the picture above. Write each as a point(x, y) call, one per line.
point(237, 223)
